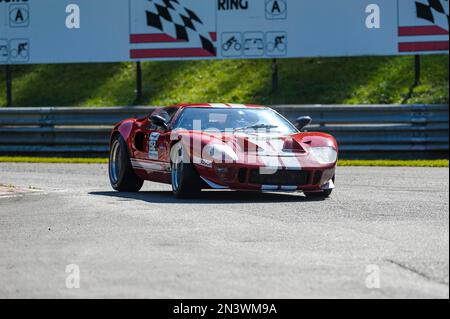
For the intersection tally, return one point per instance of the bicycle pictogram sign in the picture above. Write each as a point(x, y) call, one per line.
point(276, 43)
point(20, 50)
point(232, 44)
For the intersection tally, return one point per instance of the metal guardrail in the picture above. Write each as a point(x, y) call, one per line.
point(362, 131)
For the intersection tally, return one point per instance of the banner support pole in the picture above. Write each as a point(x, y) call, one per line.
point(138, 90)
point(417, 69)
point(274, 75)
point(8, 80)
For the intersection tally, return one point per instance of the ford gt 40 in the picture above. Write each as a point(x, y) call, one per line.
point(221, 146)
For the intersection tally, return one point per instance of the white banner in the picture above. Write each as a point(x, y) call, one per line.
point(63, 31)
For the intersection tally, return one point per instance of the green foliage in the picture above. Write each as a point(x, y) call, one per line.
point(52, 160)
point(360, 80)
point(395, 163)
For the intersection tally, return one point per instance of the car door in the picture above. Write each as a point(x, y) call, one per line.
point(157, 148)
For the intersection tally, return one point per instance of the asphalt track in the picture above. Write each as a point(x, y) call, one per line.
point(391, 223)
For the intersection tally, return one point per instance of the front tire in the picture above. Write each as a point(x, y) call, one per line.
point(121, 173)
point(186, 182)
point(320, 195)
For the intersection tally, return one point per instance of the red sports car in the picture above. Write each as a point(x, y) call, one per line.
point(221, 146)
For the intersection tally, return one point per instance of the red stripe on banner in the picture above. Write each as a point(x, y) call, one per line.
point(160, 37)
point(421, 30)
point(423, 46)
point(169, 53)
point(149, 38)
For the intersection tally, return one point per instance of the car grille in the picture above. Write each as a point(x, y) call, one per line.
point(317, 177)
point(280, 177)
point(242, 175)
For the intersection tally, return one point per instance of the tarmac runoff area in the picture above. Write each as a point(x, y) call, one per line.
point(384, 233)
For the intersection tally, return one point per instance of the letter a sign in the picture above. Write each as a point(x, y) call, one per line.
point(19, 16)
point(276, 9)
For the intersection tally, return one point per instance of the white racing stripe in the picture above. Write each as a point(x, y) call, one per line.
point(269, 187)
point(291, 163)
point(278, 188)
point(271, 164)
point(228, 105)
point(288, 188)
point(237, 106)
point(149, 165)
point(218, 105)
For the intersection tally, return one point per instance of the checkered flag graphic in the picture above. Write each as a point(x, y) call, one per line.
point(434, 11)
point(181, 23)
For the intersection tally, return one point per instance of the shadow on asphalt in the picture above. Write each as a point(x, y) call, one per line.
point(209, 197)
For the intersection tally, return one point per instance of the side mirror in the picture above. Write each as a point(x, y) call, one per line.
point(159, 120)
point(302, 122)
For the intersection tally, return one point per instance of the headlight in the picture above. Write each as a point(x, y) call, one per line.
point(222, 153)
point(324, 155)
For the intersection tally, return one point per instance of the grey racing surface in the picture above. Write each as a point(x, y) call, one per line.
point(384, 233)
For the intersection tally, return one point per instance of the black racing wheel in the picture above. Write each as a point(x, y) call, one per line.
point(186, 182)
point(121, 174)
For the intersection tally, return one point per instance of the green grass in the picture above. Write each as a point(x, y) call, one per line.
point(395, 163)
point(385, 163)
point(359, 80)
point(53, 160)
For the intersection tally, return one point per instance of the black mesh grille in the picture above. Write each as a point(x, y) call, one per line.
point(281, 177)
point(317, 177)
point(242, 176)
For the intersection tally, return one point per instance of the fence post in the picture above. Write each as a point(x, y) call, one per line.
point(8, 80)
point(138, 91)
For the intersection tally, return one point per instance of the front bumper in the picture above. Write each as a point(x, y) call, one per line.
point(242, 177)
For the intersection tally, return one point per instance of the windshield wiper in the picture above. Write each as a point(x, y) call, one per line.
point(256, 126)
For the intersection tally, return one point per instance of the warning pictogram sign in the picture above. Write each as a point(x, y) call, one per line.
point(19, 16)
point(276, 9)
point(4, 51)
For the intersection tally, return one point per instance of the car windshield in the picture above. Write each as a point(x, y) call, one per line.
point(233, 120)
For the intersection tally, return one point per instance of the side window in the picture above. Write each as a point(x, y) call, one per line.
point(171, 113)
point(167, 113)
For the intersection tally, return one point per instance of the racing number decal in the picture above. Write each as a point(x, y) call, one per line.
point(152, 146)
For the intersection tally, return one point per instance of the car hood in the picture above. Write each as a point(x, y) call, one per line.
point(263, 144)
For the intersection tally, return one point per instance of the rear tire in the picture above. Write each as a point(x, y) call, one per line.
point(186, 182)
point(121, 173)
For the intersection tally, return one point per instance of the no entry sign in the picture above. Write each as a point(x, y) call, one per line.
point(65, 31)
